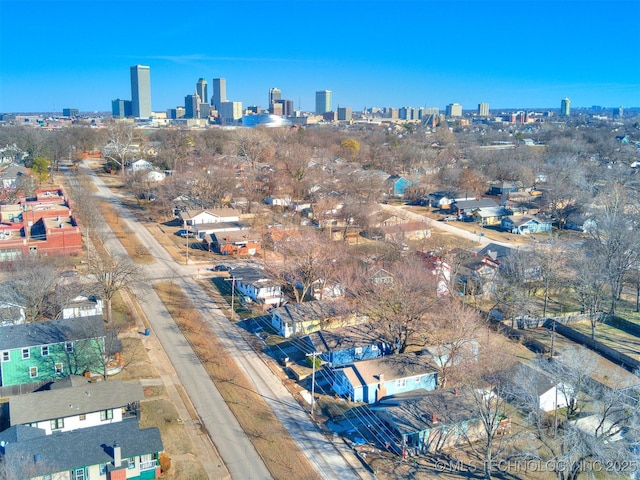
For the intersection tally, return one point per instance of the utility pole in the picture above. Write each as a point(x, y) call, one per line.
point(233, 288)
point(313, 379)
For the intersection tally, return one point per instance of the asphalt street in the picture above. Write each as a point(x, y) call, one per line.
point(241, 459)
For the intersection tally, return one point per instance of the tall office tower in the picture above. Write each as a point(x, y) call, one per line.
point(192, 106)
point(275, 94)
point(120, 108)
point(618, 112)
point(219, 92)
point(201, 90)
point(483, 109)
point(141, 91)
point(284, 107)
point(453, 110)
point(345, 114)
point(323, 101)
point(230, 112)
point(70, 112)
point(565, 107)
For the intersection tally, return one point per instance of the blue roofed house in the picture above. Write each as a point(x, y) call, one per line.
point(348, 344)
point(369, 381)
point(396, 186)
point(525, 224)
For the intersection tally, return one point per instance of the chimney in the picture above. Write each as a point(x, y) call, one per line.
point(117, 455)
point(434, 418)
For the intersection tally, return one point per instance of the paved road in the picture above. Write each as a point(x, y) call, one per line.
point(482, 241)
point(237, 452)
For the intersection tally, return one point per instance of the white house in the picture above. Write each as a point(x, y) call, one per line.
point(252, 283)
point(213, 215)
point(82, 306)
point(551, 393)
point(156, 176)
point(79, 406)
point(141, 164)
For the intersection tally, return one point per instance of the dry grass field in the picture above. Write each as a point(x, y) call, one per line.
point(266, 433)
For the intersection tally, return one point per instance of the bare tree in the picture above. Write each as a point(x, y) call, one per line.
point(31, 282)
point(599, 433)
point(111, 274)
point(614, 238)
point(400, 307)
point(589, 284)
point(120, 141)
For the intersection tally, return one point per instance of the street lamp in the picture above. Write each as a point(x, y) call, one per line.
point(313, 379)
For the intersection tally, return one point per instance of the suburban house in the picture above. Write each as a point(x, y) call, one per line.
point(307, 317)
point(116, 451)
point(83, 404)
point(140, 164)
point(44, 351)
point(82, 306)
point(252, 283)
point(468, 207)
point(370, 380)
point(428, 421)
point(525, 224)
point(488, 216)
point(443, 200)
point(155, 176)
point(505, 187)
point(192, 218)
point(11, 313)
point(239, 242)
point(396, 186)
point(12, 175)
point(353, 343)
point(381, 276)
point(406, 231)
point(548, 393)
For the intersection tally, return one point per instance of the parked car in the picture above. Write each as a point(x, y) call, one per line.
point(222, 268)
point(450, 218)
point(185, 233)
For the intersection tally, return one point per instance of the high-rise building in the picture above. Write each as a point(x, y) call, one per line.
point(453, 110)
point(275, 94)
point(565, 107)
point(618, 112)
point(141, 91)
point(286, 109)
point(323, 101)
point(219, 93)
point(201, 90)
point(345, 114)
point(192, 106)
point(483, 109)
point(70, 112)
point(230, 112)
point(121, 108)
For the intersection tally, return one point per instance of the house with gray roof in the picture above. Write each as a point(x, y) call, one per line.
point(253, 283)
point(428, 421)
point(87, 404)
point(306, 317)
point(44, 351)
point(370, 380)
point(116, 451)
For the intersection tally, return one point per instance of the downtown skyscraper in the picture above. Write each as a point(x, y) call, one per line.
point(141, 91)
point(323, 101)
point(219, 92)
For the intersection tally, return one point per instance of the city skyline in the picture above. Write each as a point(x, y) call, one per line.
point(419, 53)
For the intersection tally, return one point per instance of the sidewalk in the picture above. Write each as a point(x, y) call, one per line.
point(203, 447)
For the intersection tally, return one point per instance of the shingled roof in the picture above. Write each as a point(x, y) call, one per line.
point(64, 402)
point(46, 454)
point(51, 332)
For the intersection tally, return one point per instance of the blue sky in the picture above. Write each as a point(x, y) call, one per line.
point(511, 53)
